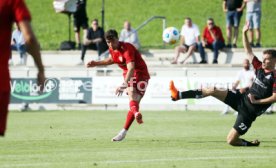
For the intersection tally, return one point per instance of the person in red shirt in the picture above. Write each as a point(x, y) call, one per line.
point(135, 72)
point(213, 39)
point(14, 11)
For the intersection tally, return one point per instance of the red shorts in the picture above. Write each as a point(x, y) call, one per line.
point(139, 84)
point(4, 104)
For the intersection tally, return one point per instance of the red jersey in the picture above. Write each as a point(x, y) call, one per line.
point(10, 11)
point(128, 53)
point(207, 35)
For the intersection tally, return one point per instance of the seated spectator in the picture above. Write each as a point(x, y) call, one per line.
point(18, 44)
point(129, 35)
point(189, 38)
point(212, 38)
point(94, 40)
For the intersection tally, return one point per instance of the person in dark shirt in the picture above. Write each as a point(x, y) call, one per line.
point(233, 9)
point(80, 20)
point(94, 40)
point(250, 104)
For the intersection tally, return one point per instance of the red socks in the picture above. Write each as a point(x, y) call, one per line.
point(134, 107)
point(129, 120)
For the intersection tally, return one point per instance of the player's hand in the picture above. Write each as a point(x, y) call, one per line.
point(252, 99)
point(91, 64)
point(246, 27)
point(120, 89)
point(41, 80)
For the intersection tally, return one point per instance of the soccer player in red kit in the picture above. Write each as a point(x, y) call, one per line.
point(135, 74)
point(14, 11)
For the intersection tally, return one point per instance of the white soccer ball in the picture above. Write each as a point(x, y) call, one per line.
point(170, 35)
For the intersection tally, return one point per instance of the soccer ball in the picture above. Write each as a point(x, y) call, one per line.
point(170, 35)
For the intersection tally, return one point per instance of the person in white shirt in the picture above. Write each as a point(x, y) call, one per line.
point(243, 81)
point(190, 37)
point(129, 35)
point(18, 44)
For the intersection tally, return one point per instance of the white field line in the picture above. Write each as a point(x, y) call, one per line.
point(186, 159)
point(47, 164)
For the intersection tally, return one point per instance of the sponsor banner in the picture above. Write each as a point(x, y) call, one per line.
point(158, 90)
point(221, 83)
point(56, 90)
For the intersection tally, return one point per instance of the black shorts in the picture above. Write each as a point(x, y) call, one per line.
point(80, 22)
point(244, 119)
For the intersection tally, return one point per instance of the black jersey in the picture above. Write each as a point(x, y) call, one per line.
point(263, 86)
point(81, 10)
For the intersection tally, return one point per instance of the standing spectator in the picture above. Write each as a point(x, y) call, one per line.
point(253, 16)
point(18, 44)
point(94, 40)
point(80, 20)
point(190, 37)
point(212, 38)
point(243, 81)
point(129, 35)
point(15, 11)
point(233, 9)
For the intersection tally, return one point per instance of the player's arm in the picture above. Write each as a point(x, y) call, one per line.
point(130, 71)
point(246, 44)
point(242, 7)
point(224, 6)
point(107, 61)
point(271, 99)
point(33, 48)
point(128, 78)
point(235, 85)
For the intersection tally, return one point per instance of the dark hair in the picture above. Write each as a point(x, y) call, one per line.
point(188, 18)
point(95, 20)
point(111, 34)
point(271, 52)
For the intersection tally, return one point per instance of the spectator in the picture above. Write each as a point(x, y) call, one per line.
point(129, 35)
point(212, 38)
point(253, 16)
point(189, 39)
point(233, 9)
point(94, 40)
point(18, 44)
point(80, 20)
point(243, 81)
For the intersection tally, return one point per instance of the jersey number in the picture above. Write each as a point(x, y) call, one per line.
point(242, 126)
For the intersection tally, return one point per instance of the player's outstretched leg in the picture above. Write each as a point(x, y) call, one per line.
point(174, 92)
point(190, 94)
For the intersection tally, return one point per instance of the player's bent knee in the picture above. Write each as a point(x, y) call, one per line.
point(231, 141)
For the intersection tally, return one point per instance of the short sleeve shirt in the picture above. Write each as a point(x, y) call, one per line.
point(190, 34)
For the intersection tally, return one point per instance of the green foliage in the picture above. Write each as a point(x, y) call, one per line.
point(167, 139)
point(52, 28)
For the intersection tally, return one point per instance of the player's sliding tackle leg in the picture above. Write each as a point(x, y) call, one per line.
point(233, 137)
point(133, 113)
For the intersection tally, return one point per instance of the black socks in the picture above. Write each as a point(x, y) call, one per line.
point(191, 94)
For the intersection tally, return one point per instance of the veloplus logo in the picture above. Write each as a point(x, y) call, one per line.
point(29, 90)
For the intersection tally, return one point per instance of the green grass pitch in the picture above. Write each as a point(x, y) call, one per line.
point(167, 139)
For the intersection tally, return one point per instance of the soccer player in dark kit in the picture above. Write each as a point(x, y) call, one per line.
point(250, 104)
point(135, 72)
